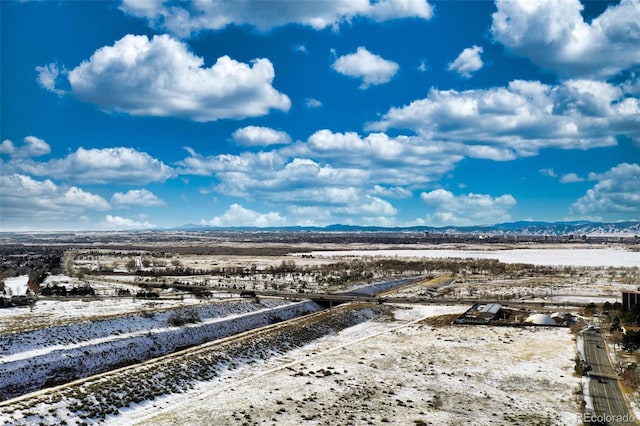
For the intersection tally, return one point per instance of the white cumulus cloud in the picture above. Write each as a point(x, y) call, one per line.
point(504, 123)
point(369, 206)
point(237, 215)
point(119, 222)
point(187, 17)
point(197, 164)
point(118, 165)
point(260, 136)
point(446, 208)
point(26, 200)
point(392, 160)
point(548, 172)
point(327, 167)
point(32, 147)
point(161, 77)
point(136, 197)
point(468, 62)
point(312, 103)
point(48, 77)
point(570, 178)
point(392, 192)
point(302, 184)
point(554, 35)
point(614, 197)
point(371, 68)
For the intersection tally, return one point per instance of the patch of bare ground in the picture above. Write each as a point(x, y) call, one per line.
point(440, 321)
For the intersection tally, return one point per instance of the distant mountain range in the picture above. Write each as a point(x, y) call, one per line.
point(577, 228)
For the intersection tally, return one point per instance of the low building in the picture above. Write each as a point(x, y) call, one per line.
point(630, 299)
point(480, 314)
point(489, 311)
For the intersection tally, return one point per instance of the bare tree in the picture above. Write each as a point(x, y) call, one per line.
point(130, 265)
point(577, 326)
point(616, 338)
point(631, 376)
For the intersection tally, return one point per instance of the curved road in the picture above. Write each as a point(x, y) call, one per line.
point(603, 386)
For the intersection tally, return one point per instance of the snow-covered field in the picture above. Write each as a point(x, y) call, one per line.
point(548, 257)
point(49, 312)
point(397, 371)
point(583, 286)
point(396, 368)
point(54, 312)
point(16, 286)
point(402, 366)
point(57, 354)
point(103, 396)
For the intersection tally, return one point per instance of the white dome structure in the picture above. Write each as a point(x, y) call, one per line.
point(540, 319)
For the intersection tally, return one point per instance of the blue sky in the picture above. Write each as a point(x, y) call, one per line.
point(138, 114)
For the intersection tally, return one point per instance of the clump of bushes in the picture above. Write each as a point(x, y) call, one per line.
point(147, 295)
point(61, 290)
point(178, 319)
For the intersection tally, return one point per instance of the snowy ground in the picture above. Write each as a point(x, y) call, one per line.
point(55, 312)
point(580, 285)
point(399, 371)
point(49, 312)
point(402, 366)
point(15, 286)
point(595, 273)
point(103, 396)
point(549, 257)
point(57, 354)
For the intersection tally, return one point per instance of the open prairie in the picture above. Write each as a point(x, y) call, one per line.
point(199, 353)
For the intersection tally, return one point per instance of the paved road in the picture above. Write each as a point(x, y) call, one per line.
point(603, 386)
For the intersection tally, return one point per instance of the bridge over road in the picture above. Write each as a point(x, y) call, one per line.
point(372, 297)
